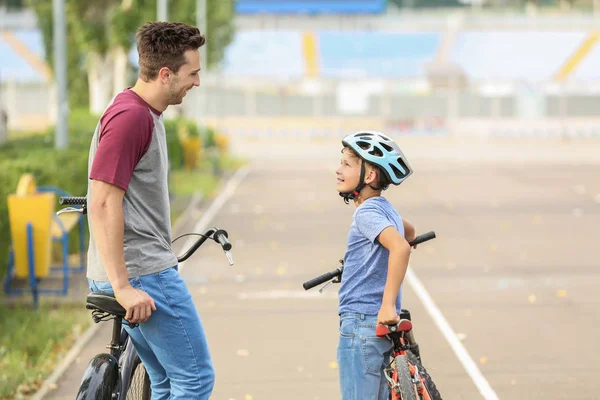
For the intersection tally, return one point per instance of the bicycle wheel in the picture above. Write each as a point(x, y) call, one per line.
point(429, 385)
point(407, 389)
point(139, 387)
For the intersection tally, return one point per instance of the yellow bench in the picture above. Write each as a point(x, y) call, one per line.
point(34, 226)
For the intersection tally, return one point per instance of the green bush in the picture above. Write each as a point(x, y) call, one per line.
point(174, 148)
point(66, 169)
point(209, 137)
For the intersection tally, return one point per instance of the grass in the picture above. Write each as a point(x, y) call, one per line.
point(204, 178)
point(32, 343)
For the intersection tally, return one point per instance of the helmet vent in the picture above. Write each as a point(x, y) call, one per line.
point(403, 166)
point(387, 147)
point(376, 152)
point(363, 145)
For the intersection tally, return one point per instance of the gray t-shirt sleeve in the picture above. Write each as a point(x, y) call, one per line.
point(371, 221)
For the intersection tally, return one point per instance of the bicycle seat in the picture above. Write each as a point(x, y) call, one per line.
point(104, 302)
point(403, 326)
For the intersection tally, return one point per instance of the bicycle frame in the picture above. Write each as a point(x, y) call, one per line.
point(108, 376)
point(401, 348)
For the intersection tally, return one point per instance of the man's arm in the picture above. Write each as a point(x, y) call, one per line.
point(107, 221)
point(399, 256)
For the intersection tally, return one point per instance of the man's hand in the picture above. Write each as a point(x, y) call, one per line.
point(387, 315)
point(138, 304)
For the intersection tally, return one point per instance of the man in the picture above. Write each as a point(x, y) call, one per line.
point(130, 251)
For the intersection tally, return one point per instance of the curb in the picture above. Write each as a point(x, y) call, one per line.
point(66, 362)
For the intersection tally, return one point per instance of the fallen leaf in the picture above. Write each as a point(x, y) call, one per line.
point(561, 293)
point(531, 298)
point(333, 365)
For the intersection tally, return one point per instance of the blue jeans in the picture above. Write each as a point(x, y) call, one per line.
point(171, 343)
point(361, 358)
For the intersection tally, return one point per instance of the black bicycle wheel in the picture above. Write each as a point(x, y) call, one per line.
point(407, 389)
point(429, 385)
point(139, 388)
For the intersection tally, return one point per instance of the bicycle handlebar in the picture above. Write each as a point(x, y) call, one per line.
point(337, 272)
point(218, 235)
point(74, 201)
point(221, 237)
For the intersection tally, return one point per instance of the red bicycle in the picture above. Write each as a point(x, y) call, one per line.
point(407, 377)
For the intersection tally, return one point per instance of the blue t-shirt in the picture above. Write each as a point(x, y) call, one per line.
point(366, 260)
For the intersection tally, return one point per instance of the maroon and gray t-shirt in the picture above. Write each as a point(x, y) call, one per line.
point(129, 150)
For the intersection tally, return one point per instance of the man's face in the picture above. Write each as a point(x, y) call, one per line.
point(186, 78)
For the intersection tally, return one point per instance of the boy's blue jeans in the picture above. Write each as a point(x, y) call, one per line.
point(171, 344)
point(361, 358)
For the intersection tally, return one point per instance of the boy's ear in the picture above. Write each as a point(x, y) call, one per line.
point(371, 176)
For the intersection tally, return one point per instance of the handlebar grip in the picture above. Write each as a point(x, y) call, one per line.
point(76, 201)
point(321, 279)
point(422, 238)
point(221, 237)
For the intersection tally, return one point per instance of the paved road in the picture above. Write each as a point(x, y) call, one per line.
point(514, 271)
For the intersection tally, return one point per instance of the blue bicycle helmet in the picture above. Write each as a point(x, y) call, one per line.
point(380, 150)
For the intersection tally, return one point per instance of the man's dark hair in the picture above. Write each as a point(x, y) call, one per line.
point(163, 44)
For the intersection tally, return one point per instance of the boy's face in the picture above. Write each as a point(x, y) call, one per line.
point(348, 174)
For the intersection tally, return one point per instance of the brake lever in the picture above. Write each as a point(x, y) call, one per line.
point(229, 257)
point(337, 279)
point(70, 210)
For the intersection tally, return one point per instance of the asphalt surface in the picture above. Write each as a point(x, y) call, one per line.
point(514, 270)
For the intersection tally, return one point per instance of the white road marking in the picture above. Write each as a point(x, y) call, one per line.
point(461, 352)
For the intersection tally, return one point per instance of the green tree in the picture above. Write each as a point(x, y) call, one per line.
point(101, 33)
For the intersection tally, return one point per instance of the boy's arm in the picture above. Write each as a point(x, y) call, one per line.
point(409, 231)
point(399, 250)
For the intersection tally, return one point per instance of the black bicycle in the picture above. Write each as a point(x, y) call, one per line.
point(406, 376)
point(120, 374)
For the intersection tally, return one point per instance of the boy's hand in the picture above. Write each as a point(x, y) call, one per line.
point(387, 315)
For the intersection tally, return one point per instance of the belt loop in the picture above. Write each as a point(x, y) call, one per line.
point(362, 317)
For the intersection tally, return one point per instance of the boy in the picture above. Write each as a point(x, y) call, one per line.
point(375, 262)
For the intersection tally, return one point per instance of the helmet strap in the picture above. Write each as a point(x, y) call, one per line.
point(352, 195)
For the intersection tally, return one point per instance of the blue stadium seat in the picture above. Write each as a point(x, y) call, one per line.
point(310, 6)
point(276, 54)
point(34, 40)
point(532, 56)
point(589, 68)
point(375, 54)
point(14, 68)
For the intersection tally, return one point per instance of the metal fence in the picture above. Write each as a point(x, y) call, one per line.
point(317, 108)
point(330, 108)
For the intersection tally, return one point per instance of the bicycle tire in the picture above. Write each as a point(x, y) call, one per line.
point(139, 384)
point(429, 384)
point(407, 388)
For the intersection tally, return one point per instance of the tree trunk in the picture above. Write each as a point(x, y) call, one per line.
point(99, 80)
point(120, 70)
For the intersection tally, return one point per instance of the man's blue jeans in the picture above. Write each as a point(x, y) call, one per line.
point(361, 358)
point(172, 343)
